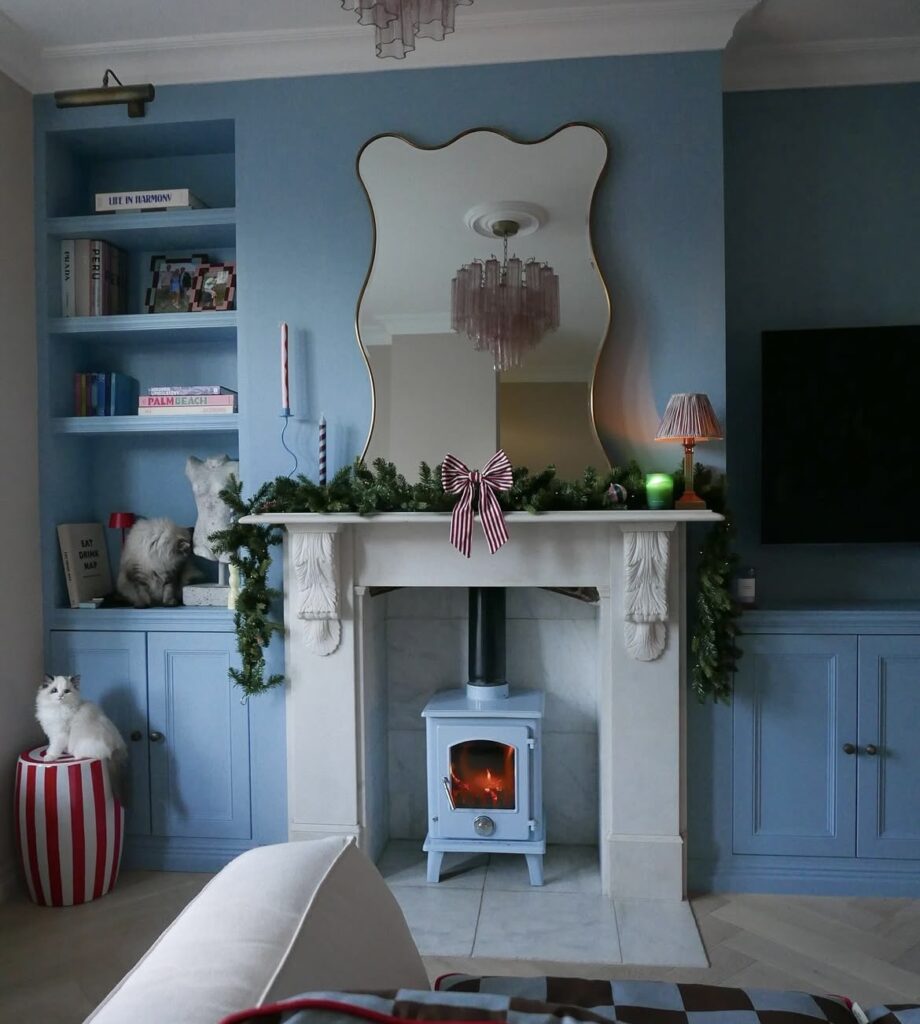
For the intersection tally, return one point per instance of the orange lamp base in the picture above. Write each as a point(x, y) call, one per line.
point(690, 501)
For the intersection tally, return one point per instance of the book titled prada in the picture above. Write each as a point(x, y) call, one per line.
point(154, 199)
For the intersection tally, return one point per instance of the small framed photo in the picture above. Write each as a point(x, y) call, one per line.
point(172, 284)
point(215, 287)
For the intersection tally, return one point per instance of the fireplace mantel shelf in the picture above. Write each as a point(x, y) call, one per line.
point(664, 518)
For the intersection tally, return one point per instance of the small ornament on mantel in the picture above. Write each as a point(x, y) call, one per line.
point(617, 494)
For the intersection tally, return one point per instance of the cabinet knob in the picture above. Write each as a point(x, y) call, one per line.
point(137, 736)
point(849, 748)
point(155, 737)
point(871, 749)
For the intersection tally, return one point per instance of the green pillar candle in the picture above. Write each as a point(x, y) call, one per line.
point(659, 490)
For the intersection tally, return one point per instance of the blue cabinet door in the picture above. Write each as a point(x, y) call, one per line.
point(199, 760)
point(794, 709)
point(113, 673)
point(889, 721)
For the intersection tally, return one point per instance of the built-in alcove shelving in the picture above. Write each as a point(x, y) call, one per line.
point(94, 465)
point(162, 675)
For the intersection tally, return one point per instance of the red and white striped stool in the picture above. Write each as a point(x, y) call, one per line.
point(69, 828)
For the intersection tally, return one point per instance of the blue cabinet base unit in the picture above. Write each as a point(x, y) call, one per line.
point(794, 711)
point(807, 876)
point(889, 745)
point(196, 751)
point(810, 781)
point(199, 769)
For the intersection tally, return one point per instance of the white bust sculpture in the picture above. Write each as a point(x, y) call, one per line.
point(208, 478)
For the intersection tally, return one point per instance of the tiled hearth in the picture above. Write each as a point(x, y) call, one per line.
point(485, 907)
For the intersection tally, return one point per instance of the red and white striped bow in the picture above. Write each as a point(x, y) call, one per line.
point(456, 478)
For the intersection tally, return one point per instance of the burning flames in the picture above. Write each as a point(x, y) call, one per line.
point(482, 775)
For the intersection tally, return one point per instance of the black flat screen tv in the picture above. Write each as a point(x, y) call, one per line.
point(841, 436)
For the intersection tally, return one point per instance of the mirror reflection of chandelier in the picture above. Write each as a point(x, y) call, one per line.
point(505, 308)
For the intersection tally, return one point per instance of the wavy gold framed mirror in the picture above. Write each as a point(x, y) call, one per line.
point(484, 313)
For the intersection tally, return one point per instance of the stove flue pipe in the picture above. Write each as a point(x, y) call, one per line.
point(487, 644)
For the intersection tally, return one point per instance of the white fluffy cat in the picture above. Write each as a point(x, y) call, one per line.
point(79, 727)
point(154, 563)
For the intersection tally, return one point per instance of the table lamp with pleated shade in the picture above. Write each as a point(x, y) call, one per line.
point(689, 418)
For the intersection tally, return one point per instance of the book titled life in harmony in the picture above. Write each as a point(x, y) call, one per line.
point(86, 561)
point(152, 199)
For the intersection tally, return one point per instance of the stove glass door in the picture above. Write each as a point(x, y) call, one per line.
point(482, 775)
point(481, 784)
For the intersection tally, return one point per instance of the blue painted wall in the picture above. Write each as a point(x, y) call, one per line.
point(822, 199)
point(303, 248)
point(304, 230)
point(822, 210)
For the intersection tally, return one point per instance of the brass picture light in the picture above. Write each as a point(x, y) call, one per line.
point(135, 96)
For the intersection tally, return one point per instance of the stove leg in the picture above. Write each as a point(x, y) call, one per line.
point(434, 866)
point(534, 867)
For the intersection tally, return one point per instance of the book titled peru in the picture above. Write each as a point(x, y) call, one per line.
point(93, 278)
point(86, 561)
point(144, 199)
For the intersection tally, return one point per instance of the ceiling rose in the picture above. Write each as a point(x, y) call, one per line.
point(483, 217)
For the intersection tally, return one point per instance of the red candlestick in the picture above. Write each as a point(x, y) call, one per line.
point(122, 521)
point(285, 397)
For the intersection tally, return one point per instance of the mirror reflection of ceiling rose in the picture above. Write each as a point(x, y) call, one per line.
point(482, 218)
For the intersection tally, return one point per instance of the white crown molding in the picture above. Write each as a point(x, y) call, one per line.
point(821, 64)
point(20, 59)
point(615, 28)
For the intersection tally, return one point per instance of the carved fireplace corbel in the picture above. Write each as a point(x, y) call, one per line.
point(645, 592)
point(316, 571)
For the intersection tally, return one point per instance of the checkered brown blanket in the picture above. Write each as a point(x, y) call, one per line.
point(557, 1001)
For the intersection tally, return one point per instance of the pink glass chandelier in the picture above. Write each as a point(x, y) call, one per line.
point(400, 22)
point(505, 308)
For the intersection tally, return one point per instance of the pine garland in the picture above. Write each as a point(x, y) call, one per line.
point(381, 488)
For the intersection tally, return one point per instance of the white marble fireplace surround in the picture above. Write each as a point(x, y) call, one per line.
point(337, 717)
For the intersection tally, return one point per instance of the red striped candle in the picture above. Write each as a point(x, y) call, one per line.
point(69, 828)
point(285, 397)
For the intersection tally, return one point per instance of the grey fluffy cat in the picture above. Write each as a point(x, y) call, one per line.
point(154, 563)
point(79, 727)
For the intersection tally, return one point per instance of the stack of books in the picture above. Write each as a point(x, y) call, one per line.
point(195, 399)
point(94, 278)
point(105, 394)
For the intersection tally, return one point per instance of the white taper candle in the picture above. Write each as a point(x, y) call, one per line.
point(285, 397)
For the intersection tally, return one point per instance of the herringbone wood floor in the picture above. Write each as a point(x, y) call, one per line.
point(55, 965)
point(867, 949)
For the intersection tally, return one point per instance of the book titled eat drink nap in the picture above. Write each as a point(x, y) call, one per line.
point(86, 562)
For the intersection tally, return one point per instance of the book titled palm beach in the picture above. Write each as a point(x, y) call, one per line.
point(154, 199)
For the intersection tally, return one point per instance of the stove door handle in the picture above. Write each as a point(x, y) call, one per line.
point(445, 782)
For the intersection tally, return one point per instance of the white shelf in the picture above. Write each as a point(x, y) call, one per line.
point(201, 229)
point(166, 424)
point(139, 326)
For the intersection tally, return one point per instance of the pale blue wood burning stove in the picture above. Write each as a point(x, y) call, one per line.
point(485, 785)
